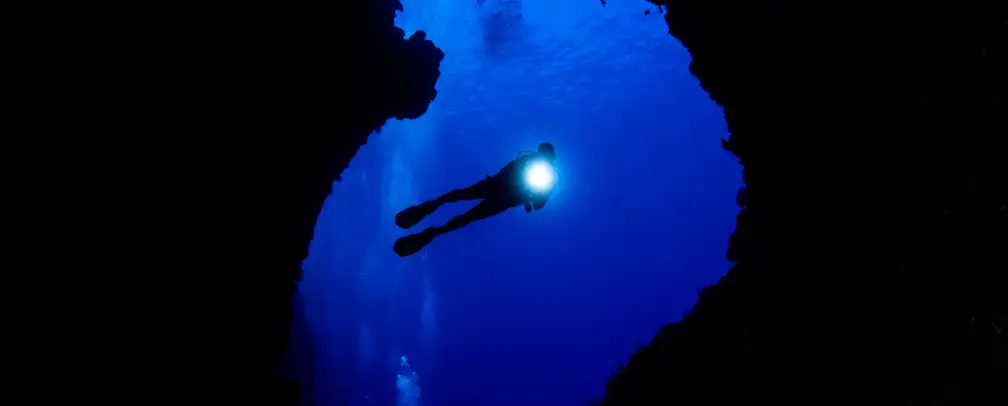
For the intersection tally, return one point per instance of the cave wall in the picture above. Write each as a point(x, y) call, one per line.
point(186, 151)
point(868, 252)
point(873, 231)
point(345, 81)
point(197, 144)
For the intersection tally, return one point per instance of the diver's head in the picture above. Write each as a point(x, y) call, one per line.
point(547, 150)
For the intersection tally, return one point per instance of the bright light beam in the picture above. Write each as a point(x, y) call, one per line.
point(540, 177)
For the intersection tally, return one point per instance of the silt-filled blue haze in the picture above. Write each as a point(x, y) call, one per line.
point(520, 308)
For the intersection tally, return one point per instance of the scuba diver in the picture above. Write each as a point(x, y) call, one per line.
point(528, 180)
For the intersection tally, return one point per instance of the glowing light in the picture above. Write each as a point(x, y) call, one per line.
point(540, 177)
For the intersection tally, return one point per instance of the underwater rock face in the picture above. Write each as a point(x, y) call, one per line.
point(237, 120)
point(870, 140)
point(872, 145)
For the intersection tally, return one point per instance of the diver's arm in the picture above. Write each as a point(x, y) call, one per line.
point(536, 203)
point(524, 152)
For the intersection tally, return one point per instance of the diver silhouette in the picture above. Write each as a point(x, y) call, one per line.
point(528, 179)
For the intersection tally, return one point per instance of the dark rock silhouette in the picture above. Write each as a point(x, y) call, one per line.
point(873, 152)
point(200, 144)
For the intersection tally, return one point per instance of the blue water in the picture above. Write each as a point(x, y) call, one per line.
point(530, 309)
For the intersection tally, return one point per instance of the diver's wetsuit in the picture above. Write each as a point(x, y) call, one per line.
point(499, 193)
point(500, 190)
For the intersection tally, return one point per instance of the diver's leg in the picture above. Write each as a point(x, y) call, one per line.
point(478, 190)
point(413, 243)
point(413, 215)
point(487, 208)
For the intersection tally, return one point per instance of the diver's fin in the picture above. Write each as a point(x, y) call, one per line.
point(411, 244)
point(413, 215)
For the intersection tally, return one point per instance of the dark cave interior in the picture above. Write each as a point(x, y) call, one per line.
point(876, 277)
